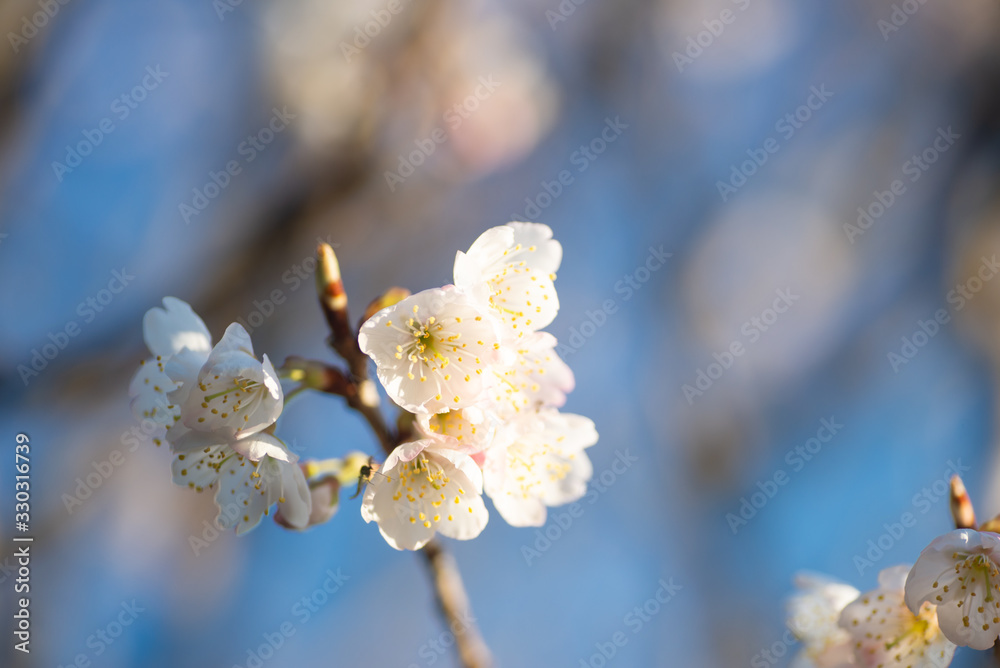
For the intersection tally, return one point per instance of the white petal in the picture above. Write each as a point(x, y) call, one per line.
point(236, 395)
point(483, 256)
point(433, 350)
point(520, 510)
point(425, 488)
point(512, 268)
point(953, 624)
point(473, 434)
point(540, 457)
point(257, 446)
point(242, 498)
point(236, 339)
point(198, 469)
point(174, 327)
point(295, 502)
point(538, 248)
point(148, 390)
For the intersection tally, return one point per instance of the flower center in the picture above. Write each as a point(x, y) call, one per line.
point(244, 392)
point(423, 481)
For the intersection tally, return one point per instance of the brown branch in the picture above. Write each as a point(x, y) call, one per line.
point(362, 395)
point(454, 605)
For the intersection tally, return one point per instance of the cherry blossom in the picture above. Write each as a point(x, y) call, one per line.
point(169, 332)
point(959, 572)
point(434, 351)
point(247, 489)
point(511, 268)
point(884, 632)
point(423, 489)
point(234, 393)
point(813, 613)
point(538, 461)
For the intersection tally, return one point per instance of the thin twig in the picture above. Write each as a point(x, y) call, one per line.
point(360, 392)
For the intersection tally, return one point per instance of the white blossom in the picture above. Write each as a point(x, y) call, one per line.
point(434, 351)
point(247, 489)
point(511, 268)
point(531, 375)
point(813, 613)
point(959, 572)
point(189, 385)
point(172, 331)
point(537, 462)
point(884, 632)
point(234, 394)
point(423, 489)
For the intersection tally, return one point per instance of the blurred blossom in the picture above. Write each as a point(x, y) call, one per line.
point(725, 39)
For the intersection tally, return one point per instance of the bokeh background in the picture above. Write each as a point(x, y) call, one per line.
point(893, 78)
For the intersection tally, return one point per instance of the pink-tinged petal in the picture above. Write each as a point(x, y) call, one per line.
point(953, 624)
point(176, 326)
point(325, 499)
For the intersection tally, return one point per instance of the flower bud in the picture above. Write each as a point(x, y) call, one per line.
point(325, 494)
point(961, 505)
point(391, 296)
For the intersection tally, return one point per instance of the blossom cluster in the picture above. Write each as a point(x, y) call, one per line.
point(916, 617)
point(216, 407)
point(470, 361)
